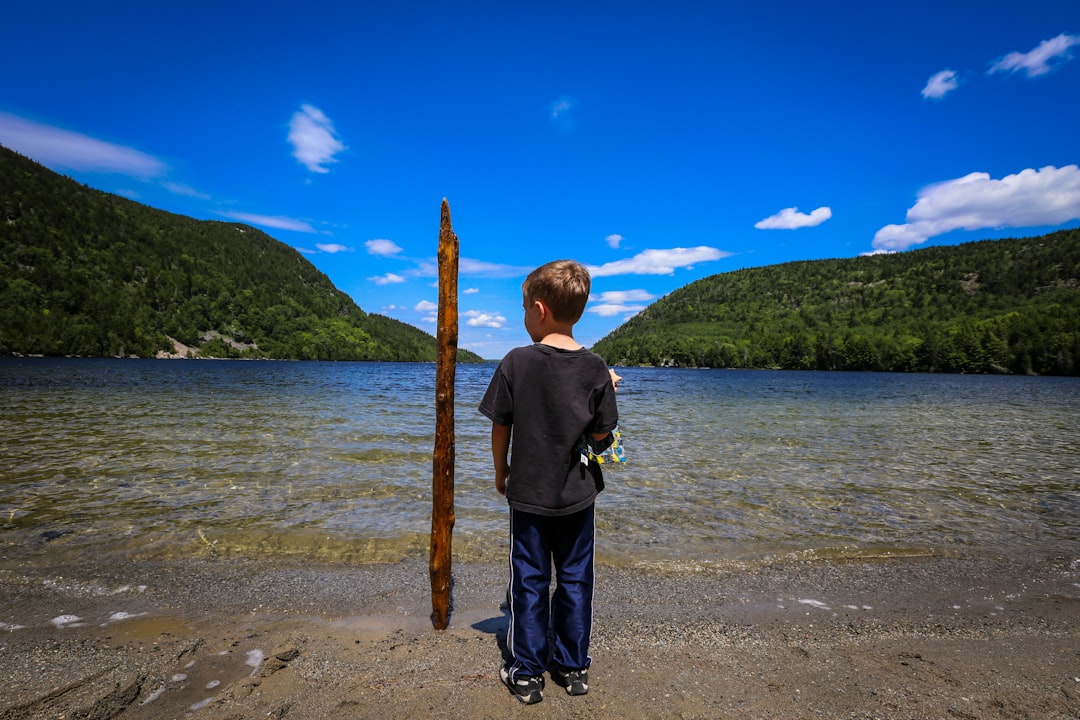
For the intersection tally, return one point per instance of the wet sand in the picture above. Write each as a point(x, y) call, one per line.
point(926, 637)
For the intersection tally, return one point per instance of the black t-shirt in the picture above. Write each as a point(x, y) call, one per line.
point(551, 397)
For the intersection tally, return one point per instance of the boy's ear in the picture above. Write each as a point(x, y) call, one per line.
point(541, 309)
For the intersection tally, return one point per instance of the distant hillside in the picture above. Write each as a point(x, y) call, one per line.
point(995, 306)
point(86, 273)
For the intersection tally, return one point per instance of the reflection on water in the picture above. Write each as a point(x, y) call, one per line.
point(332, 461)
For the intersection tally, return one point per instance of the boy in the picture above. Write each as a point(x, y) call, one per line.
point(552, 394)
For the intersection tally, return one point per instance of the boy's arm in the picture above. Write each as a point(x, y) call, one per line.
point(614, 386)
point(500, 452)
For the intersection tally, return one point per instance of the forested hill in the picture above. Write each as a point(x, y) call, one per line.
point(994, 306)
point(86, 273)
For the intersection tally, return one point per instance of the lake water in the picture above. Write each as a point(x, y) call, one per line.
point(332, 462)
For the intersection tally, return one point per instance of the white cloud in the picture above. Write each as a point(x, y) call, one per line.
point(483, 319)
point(623, 296)
point(1049, 196)
point(387, 279)
point(331, 248)
point(470, 291)
point(468, 266)
point(1038, 61)
point(314, 140)
point(658, 262)
point(614, 241)
point(430, 309)
point(791, 219)
point(615, 302)
point(609, 309)
point(940, 85)
point(278, 222)
point(382, 247)
point(56, 147)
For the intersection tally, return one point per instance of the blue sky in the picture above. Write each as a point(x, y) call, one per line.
point(656, 142)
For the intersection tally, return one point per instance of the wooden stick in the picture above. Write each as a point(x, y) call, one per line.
point(442, 484)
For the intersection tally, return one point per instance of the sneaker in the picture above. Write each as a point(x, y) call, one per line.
point(576, 682)
point(528, 690)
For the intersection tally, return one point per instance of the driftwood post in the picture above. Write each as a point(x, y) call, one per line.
point(442, 477)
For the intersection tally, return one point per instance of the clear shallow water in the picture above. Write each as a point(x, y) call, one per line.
point(332, 462)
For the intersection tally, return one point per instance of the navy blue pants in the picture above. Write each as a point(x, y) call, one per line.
point(538, 543)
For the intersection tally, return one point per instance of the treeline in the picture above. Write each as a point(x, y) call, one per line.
point(994, 306)
point(86, 273)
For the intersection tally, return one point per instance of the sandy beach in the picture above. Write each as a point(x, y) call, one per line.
point(929, 637)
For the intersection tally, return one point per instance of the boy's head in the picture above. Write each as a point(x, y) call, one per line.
point(563, 286)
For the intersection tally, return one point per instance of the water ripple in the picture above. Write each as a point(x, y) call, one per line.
point(333, 461)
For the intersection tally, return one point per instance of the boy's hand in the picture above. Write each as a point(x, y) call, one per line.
point(615, 379)
point(500, 481)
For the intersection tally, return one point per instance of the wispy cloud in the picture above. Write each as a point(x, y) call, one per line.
point(387, 279)
point(614, 241)
point(1029, 198)
point(470, 291)
point(182, 189)
point(314, 140)
point(477, 318)
point(1045, 57)
point(658, 262)
point(472, 268)
point(940, 84)
point(332, 248)
point(57, 147)
point(615, 302)
point(382, 247)
point(278, 222)
point(791, 219)
point(560, 107)
point(561, 112)
point(468, 266)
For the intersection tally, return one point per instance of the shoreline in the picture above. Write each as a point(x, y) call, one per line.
point(920, 637)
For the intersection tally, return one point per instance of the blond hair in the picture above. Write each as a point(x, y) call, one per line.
point(562, 285)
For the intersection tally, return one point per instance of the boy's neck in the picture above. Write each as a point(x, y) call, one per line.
point(557, 334)
point(561, 340)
